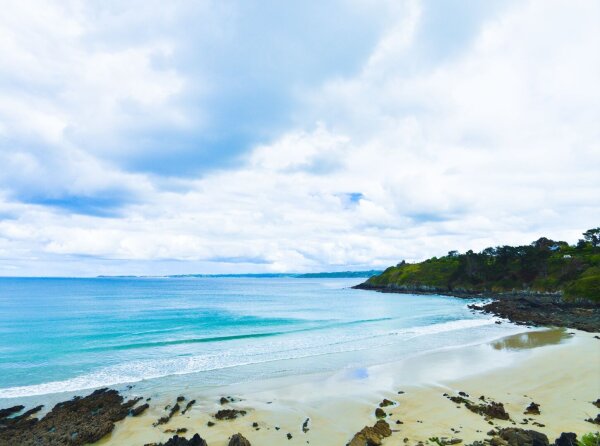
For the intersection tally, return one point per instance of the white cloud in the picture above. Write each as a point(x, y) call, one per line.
point(498, 144)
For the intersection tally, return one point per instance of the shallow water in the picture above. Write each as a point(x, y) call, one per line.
point(65, 335)
point(532, 339)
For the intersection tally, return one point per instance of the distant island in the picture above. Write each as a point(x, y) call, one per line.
point(323, 275)
point(560, 282)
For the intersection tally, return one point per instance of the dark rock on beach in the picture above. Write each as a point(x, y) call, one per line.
point(522, 308)
point(163, 420)
point(520, 437)
point(386, 403)
point(176, 440)
point(566, 439)
point(188, 406)
point(305, 428)
point(546, 312)
point(238, 440)
point(75, 422)
point(139, 410)
point(229, 414)
point(379, 413)
point(532, 409)
point(10, 411)
point(489, 409)
point(594, 420)
point(371, 436)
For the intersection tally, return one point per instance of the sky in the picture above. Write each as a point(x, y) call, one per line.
point(151, 138)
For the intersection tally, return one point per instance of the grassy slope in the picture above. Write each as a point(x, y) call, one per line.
point(544, 266)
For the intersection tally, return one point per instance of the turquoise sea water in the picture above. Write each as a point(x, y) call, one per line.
point(60, 335)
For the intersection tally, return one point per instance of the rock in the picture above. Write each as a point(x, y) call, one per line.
point(521, 437)
point(379, 413)
point(305, 428)
point(238, 440)
point(75, 422)
point(289, 436)
point(566, 439)
point(10, 411)
point(167, 418)
point(210, 423)
point(465, 394)
point(371, 436)
point(594, 420)
point(139, 410)
point(196, 440)
point(188, 406)
point(491, 410)
point(224, 400)
point(180, 398)
point(229, 414)
point(386, 403)
point(595, 403)
point(532, 409)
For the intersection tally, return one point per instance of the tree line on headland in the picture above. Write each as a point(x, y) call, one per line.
point(545, 266)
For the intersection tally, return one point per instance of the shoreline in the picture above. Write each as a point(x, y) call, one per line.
point(557, 371)
point(522, 308)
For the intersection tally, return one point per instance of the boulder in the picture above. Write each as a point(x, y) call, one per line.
point(229, 414)
point(72, 423)
point(532, 409)
point(238, 440)
point(521, 437)
point(566, 439)
point(371, 436)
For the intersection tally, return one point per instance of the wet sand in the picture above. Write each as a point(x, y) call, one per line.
point(553, 368)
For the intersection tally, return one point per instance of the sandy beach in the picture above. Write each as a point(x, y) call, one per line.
point(556, 369)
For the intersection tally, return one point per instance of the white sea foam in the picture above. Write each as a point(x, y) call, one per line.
point(295, 347)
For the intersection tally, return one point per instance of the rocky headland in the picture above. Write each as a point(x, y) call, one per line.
point(545, 283)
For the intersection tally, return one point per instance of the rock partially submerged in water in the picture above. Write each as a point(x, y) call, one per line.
point(238, 440)
point(371, 436)
point(139, 410)
point(75, 422)
point(5, 413)
point(164, 420)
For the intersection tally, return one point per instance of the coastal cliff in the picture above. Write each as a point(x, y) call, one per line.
point(544, 283)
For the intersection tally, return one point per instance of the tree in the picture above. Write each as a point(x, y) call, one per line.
point(592, 236)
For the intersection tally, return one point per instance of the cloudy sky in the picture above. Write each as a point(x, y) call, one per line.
point(151, 137)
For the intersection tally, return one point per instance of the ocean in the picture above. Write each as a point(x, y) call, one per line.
point(69, 335)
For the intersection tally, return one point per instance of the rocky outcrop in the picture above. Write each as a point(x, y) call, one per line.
point(238, 440)
point(164, 420)
point(139, 410)
point(532, 409)
point(371, 436)
point(229, 414)
point(521, 307)
point(176, 440)
point(72, 423)
point(519, 437)
point(566, 439)
point(542, 312)
point(488, 409)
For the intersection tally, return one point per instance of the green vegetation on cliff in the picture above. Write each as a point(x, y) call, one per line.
point(544, 266)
